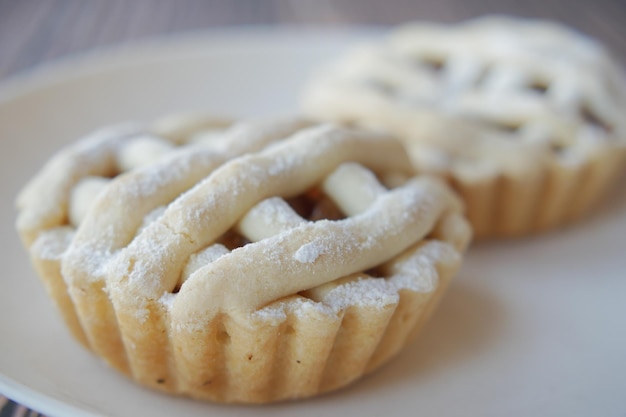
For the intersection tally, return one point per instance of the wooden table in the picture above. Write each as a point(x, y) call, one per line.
point(33, 32)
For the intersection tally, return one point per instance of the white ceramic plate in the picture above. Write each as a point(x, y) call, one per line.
point(534, 327)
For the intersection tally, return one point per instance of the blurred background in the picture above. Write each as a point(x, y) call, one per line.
point(35, 31)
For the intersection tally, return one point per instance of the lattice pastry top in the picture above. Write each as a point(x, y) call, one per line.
point(309, 246)
point(169, 226)
point(513, 89)
point(160, 245)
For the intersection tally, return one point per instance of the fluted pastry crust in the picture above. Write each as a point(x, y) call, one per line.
point(194, 274)
point(523, 117)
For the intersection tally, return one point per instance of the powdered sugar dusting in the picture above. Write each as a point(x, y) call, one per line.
point(158, 175)
point(151, 217)
point(88, 258)
point(203, 258)
point(149, 267)
point(275, 209)
point(52, 244)
point(45, 196)
point(167, 300)
point(362, 292)
point(278, 312)
point(284, 162)
point(309, 252)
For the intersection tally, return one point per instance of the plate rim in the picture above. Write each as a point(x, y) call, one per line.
point(39, 402)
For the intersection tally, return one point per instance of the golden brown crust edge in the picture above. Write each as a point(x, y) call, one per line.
point(297, 355)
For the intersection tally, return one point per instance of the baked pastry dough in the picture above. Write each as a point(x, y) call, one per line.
point(524, 117)
point(198, 266)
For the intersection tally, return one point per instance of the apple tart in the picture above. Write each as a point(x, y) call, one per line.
point(523, 117)
point(258, 262)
